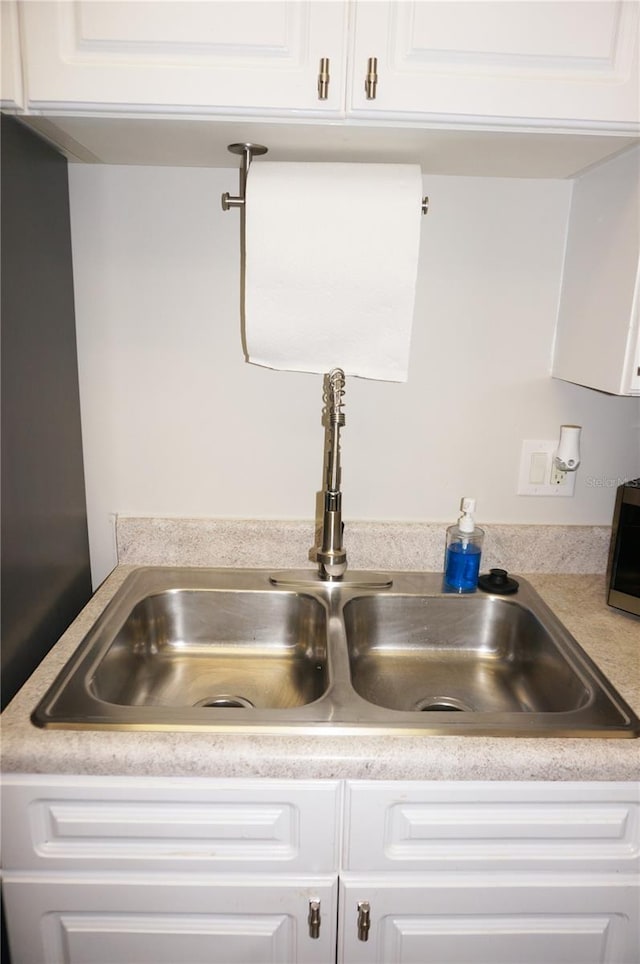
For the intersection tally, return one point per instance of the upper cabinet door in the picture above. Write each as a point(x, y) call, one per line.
point(194, 57)
point(565, 62)
point(597, 340)
point(10, 73)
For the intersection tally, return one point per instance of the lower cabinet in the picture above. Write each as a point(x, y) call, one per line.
point(507, 920)
point(119, 870)
point(150, 871)
point(157, 921)
point(490, 873)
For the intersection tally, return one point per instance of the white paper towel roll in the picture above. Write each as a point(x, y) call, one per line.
point(331, 264)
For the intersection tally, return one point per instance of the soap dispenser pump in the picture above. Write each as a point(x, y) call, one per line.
point(463, 551)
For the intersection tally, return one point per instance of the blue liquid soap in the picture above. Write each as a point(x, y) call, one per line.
point(464, 548)
point(462, 567)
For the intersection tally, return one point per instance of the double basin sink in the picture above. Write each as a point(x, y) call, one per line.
point(187, 649)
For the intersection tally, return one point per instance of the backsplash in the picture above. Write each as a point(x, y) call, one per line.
point(259, 543)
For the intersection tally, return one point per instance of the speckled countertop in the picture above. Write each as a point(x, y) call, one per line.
point(610, 637)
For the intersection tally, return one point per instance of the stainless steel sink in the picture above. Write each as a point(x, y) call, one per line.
point(475, 654)
point(234, 649)
point(217, 648)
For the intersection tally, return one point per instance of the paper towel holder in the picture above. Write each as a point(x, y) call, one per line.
point(248, 151)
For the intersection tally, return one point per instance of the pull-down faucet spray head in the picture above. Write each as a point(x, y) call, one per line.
point(332, 558)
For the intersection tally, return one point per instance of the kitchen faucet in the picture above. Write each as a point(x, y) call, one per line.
point(331, 555)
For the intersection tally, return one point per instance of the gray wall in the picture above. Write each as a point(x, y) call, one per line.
point(45, 559)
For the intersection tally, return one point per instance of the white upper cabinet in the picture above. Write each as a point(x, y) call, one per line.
point(598, 331)
point(569, 64)
point(183, 56)
point(10, 65)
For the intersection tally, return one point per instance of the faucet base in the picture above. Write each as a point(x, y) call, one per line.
point(353, 579)
point(332, 571)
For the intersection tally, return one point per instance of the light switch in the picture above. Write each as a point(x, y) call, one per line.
point(538, 468)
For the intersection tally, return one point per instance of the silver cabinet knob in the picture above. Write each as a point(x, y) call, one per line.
point(314, 919)
point(371, 78)
point(364, 920)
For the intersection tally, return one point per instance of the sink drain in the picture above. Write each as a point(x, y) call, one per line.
point(226, 702)
point(447, 704)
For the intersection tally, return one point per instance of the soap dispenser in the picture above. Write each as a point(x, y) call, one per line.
point(463, 551)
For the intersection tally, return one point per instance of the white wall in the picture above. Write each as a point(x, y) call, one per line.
point(176, 423)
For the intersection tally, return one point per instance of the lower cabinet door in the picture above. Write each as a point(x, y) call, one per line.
point(63, 920)
point(499, 920)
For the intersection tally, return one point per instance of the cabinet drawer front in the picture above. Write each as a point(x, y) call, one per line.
point(200, 825)
point(470, 826)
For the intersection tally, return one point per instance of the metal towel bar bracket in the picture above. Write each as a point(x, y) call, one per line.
point(248, 152)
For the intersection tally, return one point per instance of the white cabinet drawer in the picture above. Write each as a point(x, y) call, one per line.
point(209, 825)
point(492, 826)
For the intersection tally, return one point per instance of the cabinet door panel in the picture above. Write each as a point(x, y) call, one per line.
point(10, 66)
point(501, 59)
point(166, 939)
point(67, 921)
point(187, 56)
point(634, 376)
point(598, 333)
point(484, 920)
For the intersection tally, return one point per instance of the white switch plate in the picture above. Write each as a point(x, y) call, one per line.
point(536, 462)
